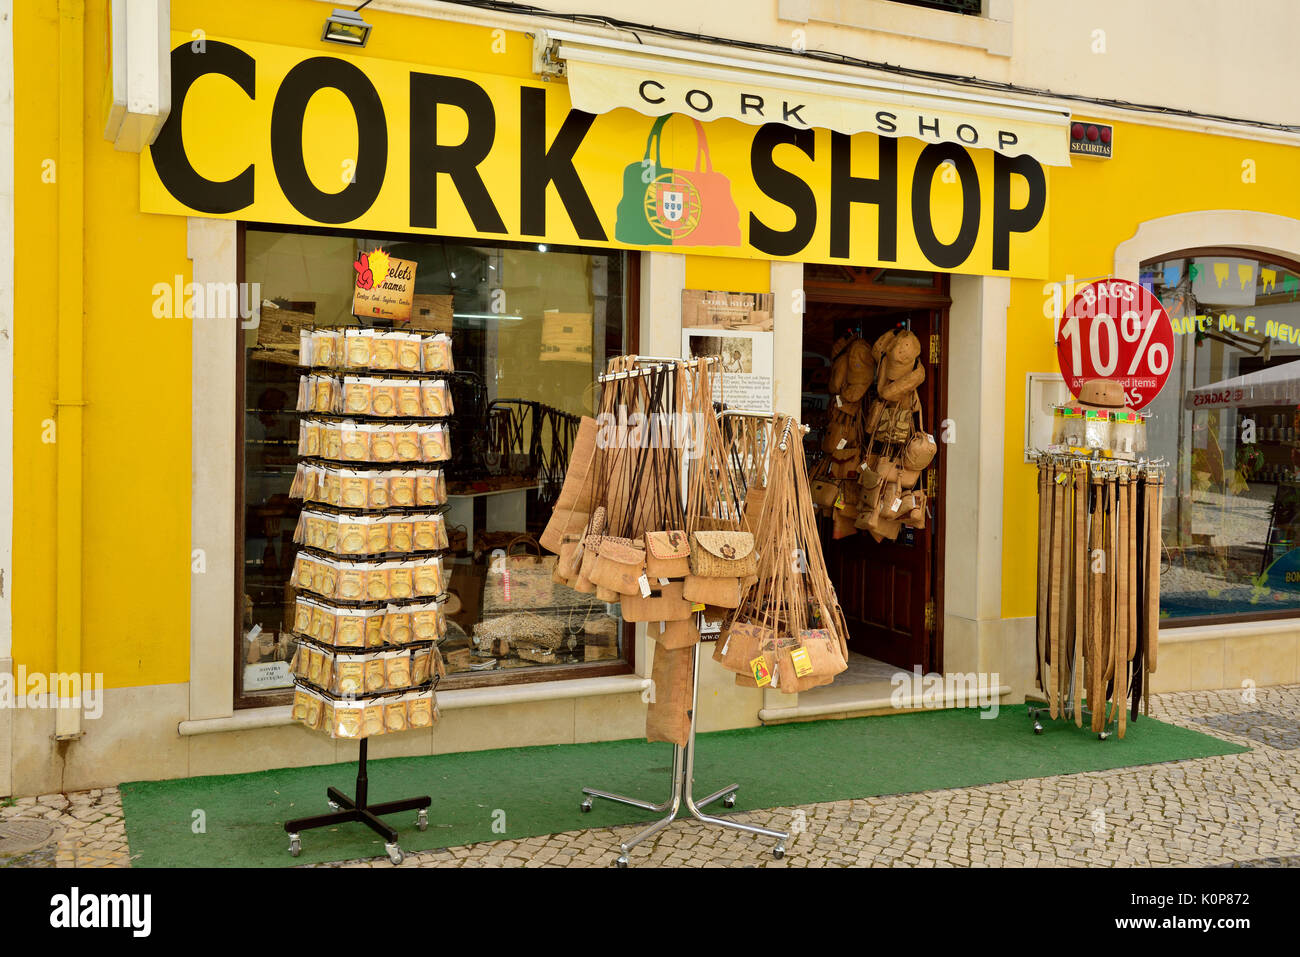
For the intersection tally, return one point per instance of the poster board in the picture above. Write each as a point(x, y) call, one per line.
point(738, 326)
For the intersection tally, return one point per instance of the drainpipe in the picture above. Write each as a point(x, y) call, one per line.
point(70, 400)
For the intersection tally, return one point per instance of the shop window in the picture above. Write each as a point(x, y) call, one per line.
point(971, 7)
point(531, 327)
point(1228, 424)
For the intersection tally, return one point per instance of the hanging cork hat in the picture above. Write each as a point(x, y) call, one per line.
point(901, 372)
point(1101, 394)
point(840, 363)
point(861, 371)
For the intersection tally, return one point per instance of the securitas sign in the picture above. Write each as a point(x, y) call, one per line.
point(277, 134)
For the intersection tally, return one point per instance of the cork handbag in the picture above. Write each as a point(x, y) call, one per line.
point(718, 592)
point(920, 449)
point(664, 603)
point(722, 554)
point(824, 488)
point(668, 717)
point(842, 439)
point(570, 560)
point(619, 565)
point(719, 561)
point(814, 661)
point(573, 506)
point(742, 643)
point(667, 545)
point(667, 554)
point(888, 421)
point(675, 634)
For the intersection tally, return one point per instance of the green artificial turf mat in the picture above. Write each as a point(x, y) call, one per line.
point(514, 793)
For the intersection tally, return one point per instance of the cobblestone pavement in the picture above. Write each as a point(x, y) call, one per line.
point(88, 829)
point(1235, 810)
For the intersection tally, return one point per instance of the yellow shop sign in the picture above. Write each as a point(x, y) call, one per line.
point(277, 134)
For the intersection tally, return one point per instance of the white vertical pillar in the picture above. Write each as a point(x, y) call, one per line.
point(975, 636)
point(213, 249)
point(788, 307)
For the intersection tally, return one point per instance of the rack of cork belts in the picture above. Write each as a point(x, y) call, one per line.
point(1099, 547)
point(369, 574)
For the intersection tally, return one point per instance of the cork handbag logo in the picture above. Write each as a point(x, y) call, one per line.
point(661, 206)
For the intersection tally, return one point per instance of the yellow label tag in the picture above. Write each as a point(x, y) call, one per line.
point(839, 500)
point(698, 606)
point(762, 673)
point(1060, 479)
point(802, 663)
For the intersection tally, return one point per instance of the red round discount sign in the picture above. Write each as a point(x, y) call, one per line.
point(1116, 329)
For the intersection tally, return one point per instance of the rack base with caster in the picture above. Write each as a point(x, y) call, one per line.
point(1037, 713)
point(683, 792)
point(347, 810)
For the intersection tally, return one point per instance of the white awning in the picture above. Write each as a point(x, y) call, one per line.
point(605, 75)
point(1279, 385)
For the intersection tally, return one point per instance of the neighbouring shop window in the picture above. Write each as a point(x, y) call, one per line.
point(1228, 422)
point(531, 327)
point(971, 7)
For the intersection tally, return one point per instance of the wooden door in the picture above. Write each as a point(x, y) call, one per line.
point(885, 587)
point(891, 592)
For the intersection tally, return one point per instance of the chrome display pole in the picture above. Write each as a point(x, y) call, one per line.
point(683, 774)
point(683, 786)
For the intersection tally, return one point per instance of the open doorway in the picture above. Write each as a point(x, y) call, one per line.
point(891, 591)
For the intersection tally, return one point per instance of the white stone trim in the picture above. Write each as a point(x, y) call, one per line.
point(972, 491)
point(1237, 629)
point(1243, 228)
point(786, 279)
point(851, 705)
point(992, 31)
point(213, 248)
point(1240, 228)
point(999, 10)
point(251, 718)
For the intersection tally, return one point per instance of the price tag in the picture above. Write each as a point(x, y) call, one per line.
point(645, 586)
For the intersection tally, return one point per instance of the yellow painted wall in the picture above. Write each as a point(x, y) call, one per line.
point(137, 369)
point(1096, 205)
point(728, 275)
point(137, 385)
point(137, 421)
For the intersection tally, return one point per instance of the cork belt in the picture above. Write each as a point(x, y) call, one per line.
point(1079, 585)
point(1044, 539)
point(1098, 588)
point(1054, 594)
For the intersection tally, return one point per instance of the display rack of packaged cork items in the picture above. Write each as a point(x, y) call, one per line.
point(369, 578)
